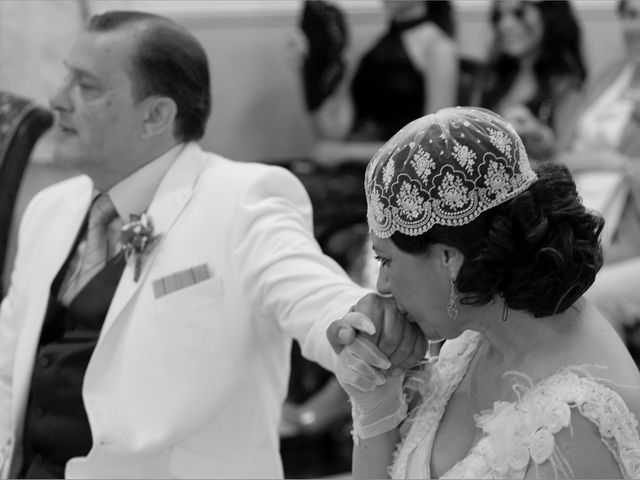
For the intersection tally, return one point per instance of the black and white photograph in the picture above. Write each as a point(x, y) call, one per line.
point(319, 239)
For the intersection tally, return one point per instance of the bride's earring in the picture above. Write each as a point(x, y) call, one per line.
point(452, 308)
point(505, 312)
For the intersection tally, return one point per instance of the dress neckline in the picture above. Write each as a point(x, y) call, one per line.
point(520, 431)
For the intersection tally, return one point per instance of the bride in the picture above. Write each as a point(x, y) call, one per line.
point(477, 249)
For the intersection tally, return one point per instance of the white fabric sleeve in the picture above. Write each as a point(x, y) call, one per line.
point(282, 268)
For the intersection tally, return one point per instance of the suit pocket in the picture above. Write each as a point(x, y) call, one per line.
point(194, 296)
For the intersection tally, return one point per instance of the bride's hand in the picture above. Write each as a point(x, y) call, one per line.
point(378, 405)
point(378, 319)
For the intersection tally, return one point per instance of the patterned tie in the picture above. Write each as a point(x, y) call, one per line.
point(96, 249)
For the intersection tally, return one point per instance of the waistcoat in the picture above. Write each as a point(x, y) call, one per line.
point(56, 425)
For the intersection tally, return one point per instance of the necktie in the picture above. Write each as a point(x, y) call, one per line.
point(96, 247)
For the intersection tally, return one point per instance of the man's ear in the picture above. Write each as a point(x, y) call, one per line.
point(159, 115)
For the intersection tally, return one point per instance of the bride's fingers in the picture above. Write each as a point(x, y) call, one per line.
point(353, 371)
point(342, 332)
point(369, 353)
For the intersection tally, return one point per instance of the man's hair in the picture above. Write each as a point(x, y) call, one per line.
point(168, 61)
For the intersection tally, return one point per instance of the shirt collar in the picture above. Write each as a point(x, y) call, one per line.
point(133, 195)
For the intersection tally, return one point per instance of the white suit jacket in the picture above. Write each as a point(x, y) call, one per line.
point(189, 384)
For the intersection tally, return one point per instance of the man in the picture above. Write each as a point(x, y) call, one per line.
point(162, 351)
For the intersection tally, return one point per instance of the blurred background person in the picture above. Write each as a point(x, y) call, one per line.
point(604, 155)
point(534, 71)
point(411, 70)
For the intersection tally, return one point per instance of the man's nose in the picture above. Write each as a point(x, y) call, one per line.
point(60, 101)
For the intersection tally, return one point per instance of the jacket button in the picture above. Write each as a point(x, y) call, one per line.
point(45, 361)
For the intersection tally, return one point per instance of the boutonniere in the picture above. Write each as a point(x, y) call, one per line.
point(138, 240)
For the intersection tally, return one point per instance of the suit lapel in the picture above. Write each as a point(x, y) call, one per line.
point(172, 196)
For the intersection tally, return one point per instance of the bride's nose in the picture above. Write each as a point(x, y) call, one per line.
point(382, 285)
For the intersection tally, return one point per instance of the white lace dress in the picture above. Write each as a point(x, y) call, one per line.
point(518, 433)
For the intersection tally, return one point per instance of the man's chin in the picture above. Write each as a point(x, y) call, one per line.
point(65, 156)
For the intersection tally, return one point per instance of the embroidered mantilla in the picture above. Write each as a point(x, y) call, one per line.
point(444, 169)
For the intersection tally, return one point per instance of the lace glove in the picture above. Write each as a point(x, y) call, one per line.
point(377, 402)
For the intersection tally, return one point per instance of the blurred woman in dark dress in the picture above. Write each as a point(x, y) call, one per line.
point(535, 71)
point(411, 70)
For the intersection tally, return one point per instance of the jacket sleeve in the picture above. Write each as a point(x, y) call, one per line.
point(284, 272)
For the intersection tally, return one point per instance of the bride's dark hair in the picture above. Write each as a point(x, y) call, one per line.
point(540, 250)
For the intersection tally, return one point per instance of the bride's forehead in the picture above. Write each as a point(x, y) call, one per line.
point(376, 241)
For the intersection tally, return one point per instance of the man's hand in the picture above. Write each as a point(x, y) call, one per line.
point(377, 319)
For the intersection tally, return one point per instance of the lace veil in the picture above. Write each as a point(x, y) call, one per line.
point(444, 168)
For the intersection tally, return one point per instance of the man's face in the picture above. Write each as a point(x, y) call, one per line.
point(99, 123)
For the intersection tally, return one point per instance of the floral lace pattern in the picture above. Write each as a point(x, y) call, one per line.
point(445, 168)
point(516, 434)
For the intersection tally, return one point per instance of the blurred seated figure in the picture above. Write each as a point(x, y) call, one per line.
point(604, 156)
point(534, 71)
point(412, 69)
